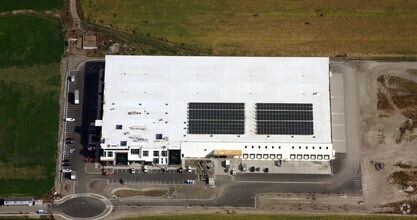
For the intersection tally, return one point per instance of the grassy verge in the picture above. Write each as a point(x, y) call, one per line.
point(30, 53)
point(265, 27)
point(264, 217)
point(38, 5)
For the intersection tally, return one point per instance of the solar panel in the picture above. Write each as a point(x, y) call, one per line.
point(216, 118)
point(284, 119)
point(285, 127)
point(285, 106)
point(284, 115)
point(216, 114)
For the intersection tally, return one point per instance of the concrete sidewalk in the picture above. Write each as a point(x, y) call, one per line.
point(293, 167)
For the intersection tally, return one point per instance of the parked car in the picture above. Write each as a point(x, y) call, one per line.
point(122, 181)
point(189, 169)
point(89, 160)
point(180, 170)
point(69, 119)
point(66, 164)
point(66, 170)
point(165, 169)
point(132, 170)
point(66, 161)
point(69, 138)
point(233, 172)
point(91, 149)
point(145, 169)
point(69, 141)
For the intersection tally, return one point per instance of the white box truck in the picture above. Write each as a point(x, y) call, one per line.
point(73, 175)
point(77, 97)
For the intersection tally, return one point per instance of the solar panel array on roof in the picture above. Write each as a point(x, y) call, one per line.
point(284, 118)
point(216, 118)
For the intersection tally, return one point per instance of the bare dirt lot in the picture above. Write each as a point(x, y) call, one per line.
point(388, 100)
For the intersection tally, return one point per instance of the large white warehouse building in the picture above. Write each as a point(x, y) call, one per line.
point(163, 109)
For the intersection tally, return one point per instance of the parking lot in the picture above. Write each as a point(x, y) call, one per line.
point(153, 177)
point(81, 109)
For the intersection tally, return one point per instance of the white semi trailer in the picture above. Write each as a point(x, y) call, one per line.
point(77, 97)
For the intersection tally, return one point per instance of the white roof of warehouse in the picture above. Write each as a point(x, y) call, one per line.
point(155, 90)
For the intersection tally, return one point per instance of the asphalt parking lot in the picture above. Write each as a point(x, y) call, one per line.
point(75, 151)
point(153, 177)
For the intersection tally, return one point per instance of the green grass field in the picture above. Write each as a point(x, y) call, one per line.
point(36, 5)
point(264, 217)
point(30, 53)
point(268, 27)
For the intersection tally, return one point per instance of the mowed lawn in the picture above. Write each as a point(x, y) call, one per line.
point(36, 5)
point(30, 53)
point(264, 217)
point(268, 27)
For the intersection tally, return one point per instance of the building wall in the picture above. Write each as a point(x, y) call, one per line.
point(250, 151)
point(204, 149)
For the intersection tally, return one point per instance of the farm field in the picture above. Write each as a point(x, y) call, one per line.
point(267, 27)
point(38, 5)
point(264, 217)
point(30, 54)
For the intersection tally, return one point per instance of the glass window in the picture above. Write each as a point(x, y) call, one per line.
point(245, 156)
point(134, 151)
point(109, 153)
point(119, 127)
point(145, 153)
point(156, 153)
point(164, 153)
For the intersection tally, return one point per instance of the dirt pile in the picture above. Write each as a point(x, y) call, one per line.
point(406, 178)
